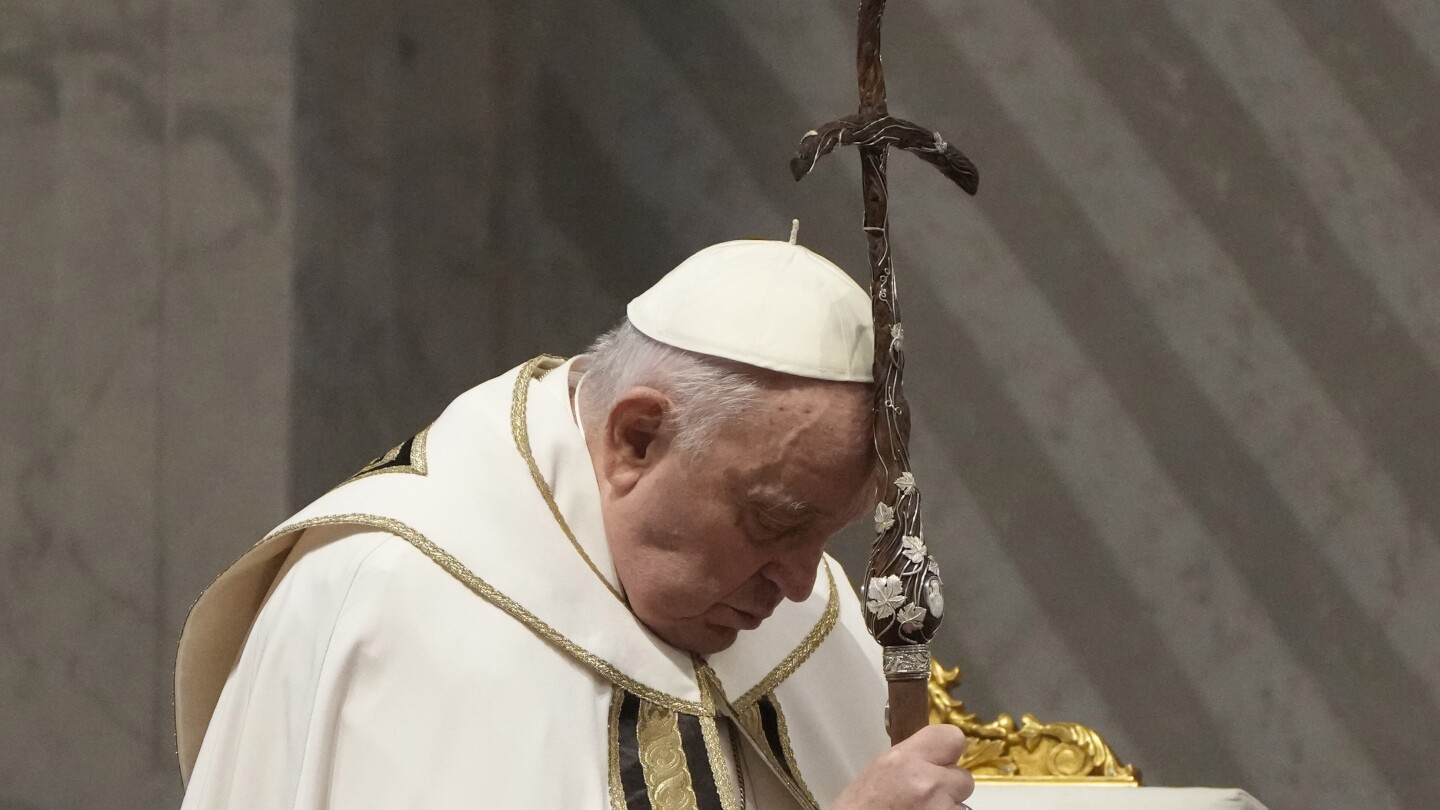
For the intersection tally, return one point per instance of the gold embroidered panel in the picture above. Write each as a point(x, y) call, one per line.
point(661, 759)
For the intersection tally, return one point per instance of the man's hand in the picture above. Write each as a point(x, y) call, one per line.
point(917, 774)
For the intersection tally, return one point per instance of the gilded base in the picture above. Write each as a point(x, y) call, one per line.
point(1035, 752)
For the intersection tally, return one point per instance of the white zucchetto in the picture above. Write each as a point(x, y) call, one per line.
point(774, 305)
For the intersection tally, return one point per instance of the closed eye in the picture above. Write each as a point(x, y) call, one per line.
point(782, 518)
point(776, 513)
point(778, 524)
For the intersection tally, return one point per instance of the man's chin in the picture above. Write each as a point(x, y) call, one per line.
point(701, 638)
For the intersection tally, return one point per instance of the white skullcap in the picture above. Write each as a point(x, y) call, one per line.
point(774, 305)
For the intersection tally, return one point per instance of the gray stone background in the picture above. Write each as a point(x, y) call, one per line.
point(1176, 370)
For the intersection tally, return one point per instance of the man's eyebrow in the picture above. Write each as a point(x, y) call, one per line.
point(776, 501)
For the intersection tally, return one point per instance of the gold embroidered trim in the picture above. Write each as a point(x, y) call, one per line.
point(520, 430)
point(486, 591)
point(662, 759)
point(711, 691)
point(790, 752)
point(417, 465)
point(755, 727)
point(801, 653)
point(750, 719)
point(617, 789)
point(711, 733)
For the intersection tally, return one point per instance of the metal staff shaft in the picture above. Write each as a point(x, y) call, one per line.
point(906, 709)
point(904, 601)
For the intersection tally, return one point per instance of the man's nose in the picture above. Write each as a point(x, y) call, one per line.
point(794, 574)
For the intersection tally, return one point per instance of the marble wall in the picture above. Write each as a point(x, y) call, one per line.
point(400, 133)
point(146, 219)
point(1176, 369)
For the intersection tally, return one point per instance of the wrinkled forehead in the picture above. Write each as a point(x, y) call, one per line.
point(844, 501)
point(827, 419)
point(816, 416)
point(837, 407)
point(803, 453)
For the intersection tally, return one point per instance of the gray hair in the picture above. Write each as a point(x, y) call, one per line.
point(705, 391)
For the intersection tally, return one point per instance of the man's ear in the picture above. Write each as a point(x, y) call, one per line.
point(636, 435)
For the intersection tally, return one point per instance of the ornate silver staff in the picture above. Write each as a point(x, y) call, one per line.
point(903, 602)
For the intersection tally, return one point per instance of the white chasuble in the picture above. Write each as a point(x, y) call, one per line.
point(426, 635)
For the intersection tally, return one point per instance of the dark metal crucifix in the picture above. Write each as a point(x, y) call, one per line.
point(904, 603)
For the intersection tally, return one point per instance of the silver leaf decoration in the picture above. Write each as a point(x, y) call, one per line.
point(885, 595)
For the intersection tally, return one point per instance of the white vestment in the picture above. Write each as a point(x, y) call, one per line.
point(426, 636)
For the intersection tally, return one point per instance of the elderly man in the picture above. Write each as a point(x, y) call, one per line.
point(595, 583)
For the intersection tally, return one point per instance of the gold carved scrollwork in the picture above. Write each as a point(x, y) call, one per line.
point(1034, 752)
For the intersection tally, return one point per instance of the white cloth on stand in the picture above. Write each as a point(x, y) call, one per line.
point(992, 796)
